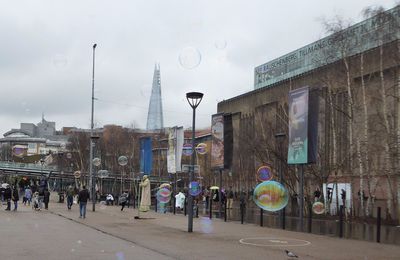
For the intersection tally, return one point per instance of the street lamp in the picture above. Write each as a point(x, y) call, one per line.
point(91, 181)
point(194, 99)
point(280, 137)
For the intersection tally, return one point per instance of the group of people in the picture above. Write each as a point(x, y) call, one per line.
point(39, 197)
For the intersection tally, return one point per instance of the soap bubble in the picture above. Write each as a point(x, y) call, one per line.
point(60, 61)
point(103, 173)
point(318, 208)
point(163, 195)
point(206, 225)
point(103, 204)
point(189, 58)
point(270, 196)
point(122, 160)
point(194, 188)
point(79, 242)
point(96, 161)
point(220, 44)
point(72, 250)
point(120, 256)
point(264, 173)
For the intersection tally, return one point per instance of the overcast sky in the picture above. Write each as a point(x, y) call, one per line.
point(46, 54)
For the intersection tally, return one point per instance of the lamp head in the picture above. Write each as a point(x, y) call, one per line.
point(94, 46)
point(194, 98)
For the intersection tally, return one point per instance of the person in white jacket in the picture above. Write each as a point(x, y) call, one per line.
point(180, 200)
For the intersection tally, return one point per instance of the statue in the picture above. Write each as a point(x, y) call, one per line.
point(145, 200)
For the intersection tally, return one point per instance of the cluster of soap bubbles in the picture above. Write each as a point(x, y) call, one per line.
point(103, 204)
point(270, 196)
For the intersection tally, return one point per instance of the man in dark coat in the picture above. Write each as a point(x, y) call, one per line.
point(46, 198)
point(83, 197)
point(7, 196)
point(15, 198)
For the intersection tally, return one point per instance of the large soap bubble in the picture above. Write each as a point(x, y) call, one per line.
point(163, 195)
point(189, 58)
point(194, 188)
point(264, 173)
point(270, 196)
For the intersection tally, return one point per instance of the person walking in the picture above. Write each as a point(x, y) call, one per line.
point(70, 197)
point(7, 196)
point(83, 197)
point(230, 196)
point(15, 198)
point(28, 195)
point(123, 199)
point(46, 198)
point(41, 197)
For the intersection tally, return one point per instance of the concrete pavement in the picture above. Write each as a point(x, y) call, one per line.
point(109, 233)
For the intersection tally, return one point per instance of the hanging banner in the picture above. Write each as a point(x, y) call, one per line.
point(171, 163)
point(217, 135)
point(179, 147)
point(228, 141)
point(298, 126)
point(146, 155)
point(313, 112)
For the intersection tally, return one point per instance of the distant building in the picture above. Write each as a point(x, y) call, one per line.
point(155, 119)
point(31, 139)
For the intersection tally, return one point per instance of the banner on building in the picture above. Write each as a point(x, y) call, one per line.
point(298, 126)
point(217, 145)
point(171, 162)
point(313, 112)
point(179, 147)
point(146, 155)
point(228, 141)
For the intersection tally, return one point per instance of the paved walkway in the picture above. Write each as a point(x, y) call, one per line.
point(109, 233)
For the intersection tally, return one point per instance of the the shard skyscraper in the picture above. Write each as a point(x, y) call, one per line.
point(155, 119)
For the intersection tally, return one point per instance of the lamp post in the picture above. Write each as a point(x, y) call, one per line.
point(194, 99)
point(91, 179)
point(280, 137)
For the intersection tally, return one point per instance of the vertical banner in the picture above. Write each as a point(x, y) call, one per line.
point(298, 126)
point(146, 155)
point(179, 147)
point(217, 135)
point(228, 141)
point(171, 163)
point(313, 112)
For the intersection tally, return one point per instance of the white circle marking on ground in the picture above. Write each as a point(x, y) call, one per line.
point(275, 241)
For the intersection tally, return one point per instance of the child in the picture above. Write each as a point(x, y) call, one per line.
point(35, 205)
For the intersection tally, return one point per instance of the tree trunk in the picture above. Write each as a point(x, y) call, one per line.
point(387, 168)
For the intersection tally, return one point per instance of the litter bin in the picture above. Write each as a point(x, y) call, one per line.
point(60, 197)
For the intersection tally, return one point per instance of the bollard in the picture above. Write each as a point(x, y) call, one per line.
point(378, 225)
point(174, 208)
point(225, 212)
point(341, 221)
point(261, 217)
point(210, 209)
point(283, 218)
point(310, 219)
point(197, 211)
point(184, 207)
point(241, 213)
